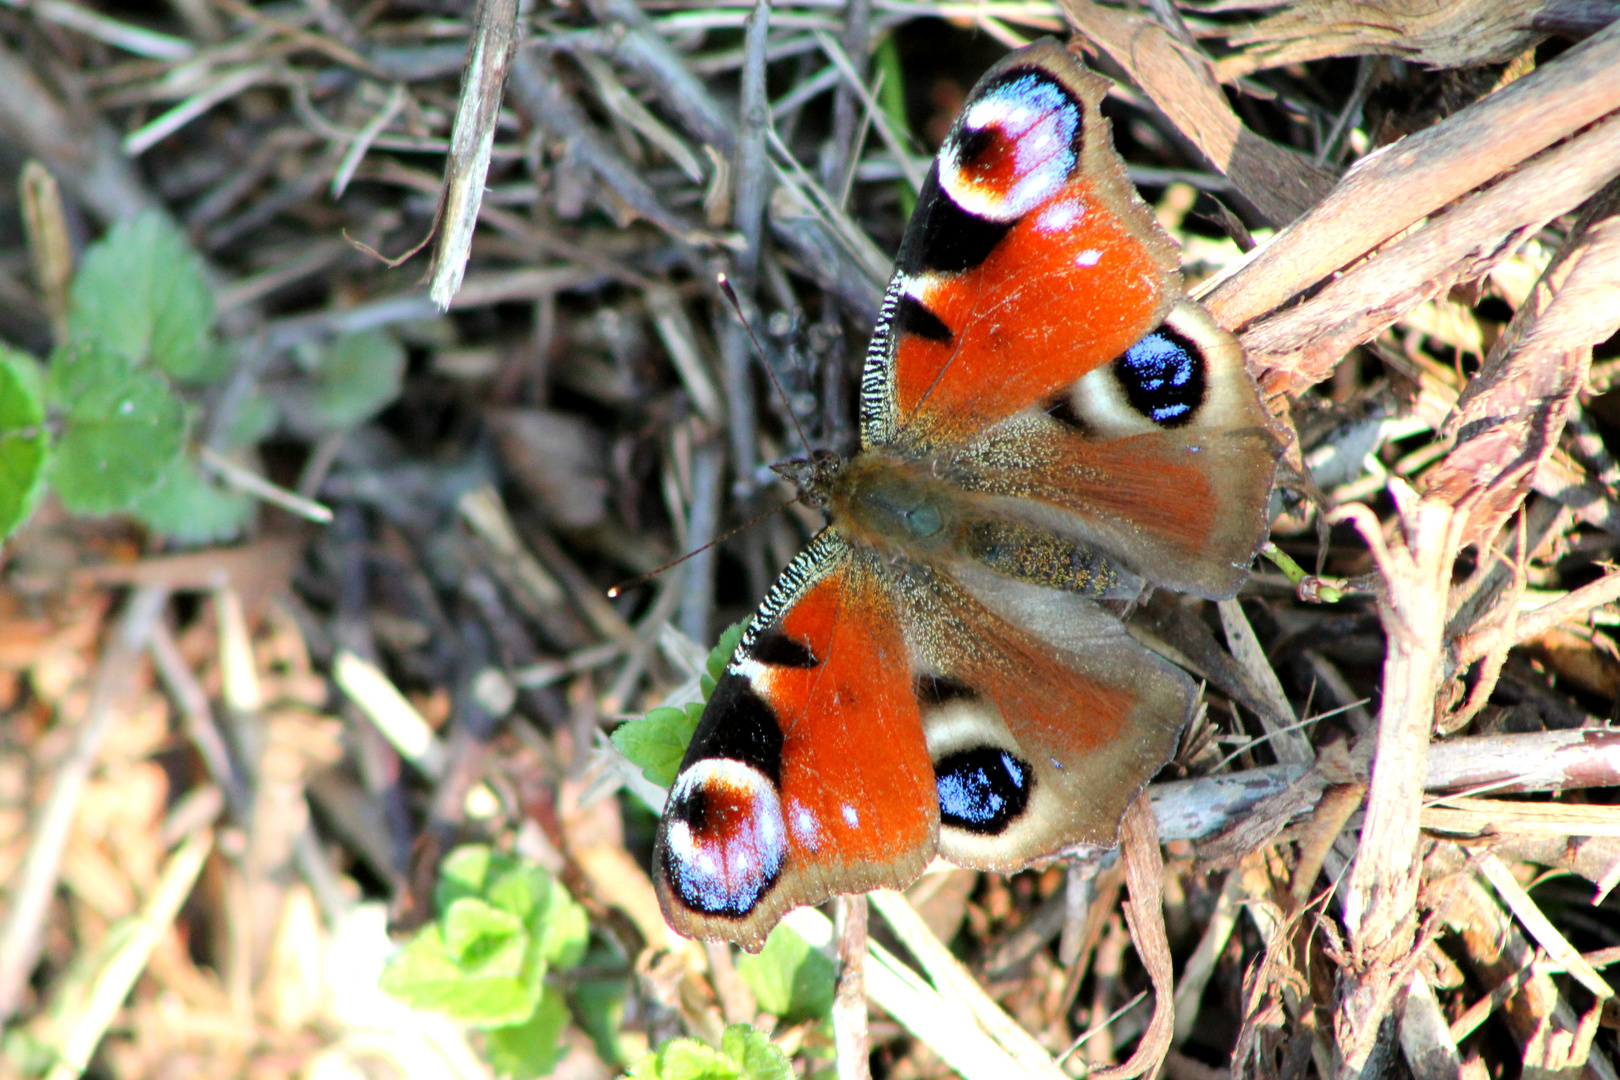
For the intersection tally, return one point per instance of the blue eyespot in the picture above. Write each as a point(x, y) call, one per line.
point(982, 790)
point(1163, 377)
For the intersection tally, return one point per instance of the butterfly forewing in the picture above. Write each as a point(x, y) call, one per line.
point(1029, 261)
point(808, 774)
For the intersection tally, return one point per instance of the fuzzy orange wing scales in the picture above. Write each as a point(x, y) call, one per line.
point(1069, 287)
point(844, 799)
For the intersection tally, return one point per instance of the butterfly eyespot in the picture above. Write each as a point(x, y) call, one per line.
point(982, 790)
point(724, 839)
point(1163, 377)
point(1014, 147)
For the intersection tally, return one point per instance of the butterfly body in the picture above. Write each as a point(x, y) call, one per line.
point(1045, 423)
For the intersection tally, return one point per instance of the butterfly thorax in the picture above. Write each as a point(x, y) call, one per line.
point(920, 510)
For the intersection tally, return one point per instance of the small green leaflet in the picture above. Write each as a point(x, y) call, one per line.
point(188, 507)
point(745, 1054)
point(24, 444)
point(120, 428)
point(502, 926)
point(141, 293)
point(789, 978)
point(656, 743)
point(358, 375)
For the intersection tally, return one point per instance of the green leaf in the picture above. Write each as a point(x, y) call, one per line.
point(254, 421)
point(656, 743)
point(465, 872)
point(141, 293)
point(531, 1048)
point(121, 428)
point(719, 657)
point(502, 925)
point(599, 1007)
point(744, 1054)
point(684, 1059)
point(561, 927)
point(789, 978)
point(24, 443)
point(483, 940)
point(357, 377)
point(190, 508)
point(753, 1050)
point(426, 975)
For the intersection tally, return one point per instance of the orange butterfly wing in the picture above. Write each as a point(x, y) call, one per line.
point(808, 774)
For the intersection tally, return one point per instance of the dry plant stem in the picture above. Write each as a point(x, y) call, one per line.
point(1540, 927)
point(842, 153)
point(1388, 191)
point(632, 41)
point(23, 936)
point(540, 97)
point(1301, 345)
point(955, 982)
point(82, 153)
point(117, 975)
point(1281, 183)
point(1425, 1039)
point(849, 1001)
point(197, 718)
point(1381, 894)
point(49, 248)
point(1144, 914)
point(489, 57)
point(1499, 956)
point(1533, 624)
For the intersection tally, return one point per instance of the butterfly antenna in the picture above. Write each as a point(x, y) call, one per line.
point(631, 583)
point(787, 404)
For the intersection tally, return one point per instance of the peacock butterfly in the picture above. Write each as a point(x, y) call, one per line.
point(1046, 422)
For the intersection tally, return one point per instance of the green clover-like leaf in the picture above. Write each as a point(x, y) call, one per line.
point(120, 428)
point(789, 978)
point(141, 293)
point(24, 442)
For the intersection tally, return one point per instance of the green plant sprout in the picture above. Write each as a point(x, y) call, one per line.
point(108, 420)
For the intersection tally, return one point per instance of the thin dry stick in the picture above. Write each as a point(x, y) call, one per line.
point(1301, 345)
point(1381, 895)
point(117, 975)
point(36, 882)
point(489, 58)
point(849, 1002)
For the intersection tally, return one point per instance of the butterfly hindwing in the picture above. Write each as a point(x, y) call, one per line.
point(1162, 458)
point(808, 774)
point(1044, 718)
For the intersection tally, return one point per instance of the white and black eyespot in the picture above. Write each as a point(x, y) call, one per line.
point(1013, 147)
point(724, 840)
point(984, 787)
point(1163, 377)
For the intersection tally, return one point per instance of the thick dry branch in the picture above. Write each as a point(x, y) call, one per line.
point(1502, 764)
point(1509, 417)
point(1281, 183)
point(1301, 345)
point(1388, 191)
